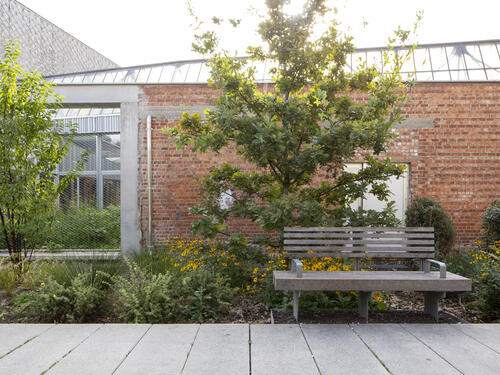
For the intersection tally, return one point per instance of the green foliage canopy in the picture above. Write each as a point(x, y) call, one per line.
point(305, 122)
point(31, 152)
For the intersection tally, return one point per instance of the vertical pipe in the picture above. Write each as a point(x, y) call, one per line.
point(150, 198)
point(78, 192)
point(98, 165)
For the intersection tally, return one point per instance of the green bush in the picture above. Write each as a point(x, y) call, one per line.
point(80, 302)
point(489, 292)
point(65, 271)
point(151, 294)
point(9, 278)
point(86, 228)
point(424, 212)
point(144, 297)
point(491, 222)
point(203, 296)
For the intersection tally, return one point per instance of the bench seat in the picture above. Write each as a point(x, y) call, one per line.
point(360, 244)
point(371, 281)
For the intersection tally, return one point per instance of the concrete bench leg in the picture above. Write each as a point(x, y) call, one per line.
point(363, 299)
point(296, 296)
point(431, 303)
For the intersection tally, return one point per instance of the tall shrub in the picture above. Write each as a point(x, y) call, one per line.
point(491, 221)
point(31, 150)
point(424, 212)
point(306, 121)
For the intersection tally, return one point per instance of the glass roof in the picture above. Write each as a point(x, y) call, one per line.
point(461, 61)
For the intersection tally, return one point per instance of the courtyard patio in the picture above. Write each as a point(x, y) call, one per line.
point(250, 349)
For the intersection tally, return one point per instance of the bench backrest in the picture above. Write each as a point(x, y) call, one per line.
point(358, 242)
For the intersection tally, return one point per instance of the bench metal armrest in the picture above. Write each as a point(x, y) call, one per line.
point(442, 267)
point(297, 267)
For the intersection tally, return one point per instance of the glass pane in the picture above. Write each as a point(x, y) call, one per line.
point(87, 190)
point(111, 190)
point(180, 72)
point(82, 145)
point(143, 75)
point(154, 77)
point(194, 72)
point(111, 152)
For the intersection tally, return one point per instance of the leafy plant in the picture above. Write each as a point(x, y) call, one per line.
point(65, 271)
point(491, 221)
point(143, 297)
point(31, 151)
point(424, 212)
point(81, 301)
point(9, 278)
point(489, 292)
point(204, 295)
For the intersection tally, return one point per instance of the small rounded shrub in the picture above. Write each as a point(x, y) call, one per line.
point(424, 212)
point(489, 293)
point(491, 221)
point(79, 302)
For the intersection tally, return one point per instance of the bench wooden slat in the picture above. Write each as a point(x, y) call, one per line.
point(380, 254)
point(387, 236)
point(358, 242)
point(356, 229)
point(363, 249)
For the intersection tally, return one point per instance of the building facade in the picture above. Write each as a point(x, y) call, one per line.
point(450, 140)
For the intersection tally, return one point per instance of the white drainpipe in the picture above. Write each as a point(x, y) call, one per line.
point(150, 187)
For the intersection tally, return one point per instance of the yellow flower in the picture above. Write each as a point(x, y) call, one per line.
point(54, 296)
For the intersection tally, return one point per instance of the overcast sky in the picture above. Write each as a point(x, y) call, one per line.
point(133, 32)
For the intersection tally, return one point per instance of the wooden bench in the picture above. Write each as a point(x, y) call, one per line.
point(361, 243)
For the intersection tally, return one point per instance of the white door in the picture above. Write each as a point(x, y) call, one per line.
point(399, 188)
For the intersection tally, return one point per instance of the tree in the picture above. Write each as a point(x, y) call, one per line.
point(31, 151)
point(300, 133)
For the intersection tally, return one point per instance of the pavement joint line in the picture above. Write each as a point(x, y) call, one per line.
point(249, 349)
point(370, 349)
point(190, 348)
point(439, 355)
point(309, 347)
point(71, 350)
point(27, 341)
point(131, 349)
point(472, 337)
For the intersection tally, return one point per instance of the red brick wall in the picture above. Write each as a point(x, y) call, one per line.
point(457, 162)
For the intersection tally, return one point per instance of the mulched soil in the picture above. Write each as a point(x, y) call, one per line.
point(402, 307)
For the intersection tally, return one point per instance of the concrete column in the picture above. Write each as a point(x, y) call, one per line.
point(129, 181)
point(363, 300)
point(431, 303)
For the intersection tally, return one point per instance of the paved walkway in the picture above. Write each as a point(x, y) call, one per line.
point(250, 349)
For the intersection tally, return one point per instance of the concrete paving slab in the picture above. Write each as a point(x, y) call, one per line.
point(219, 349)
point(14, 335)
point(102, 352)
point(43, 351)
point(401, 352)
point(163, 350)
point(338, 350)
point(462, 351)
point(488, 334)
point(280, 350)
